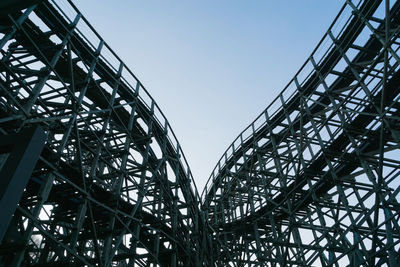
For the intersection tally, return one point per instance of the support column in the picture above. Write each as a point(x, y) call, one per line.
point(23, 151)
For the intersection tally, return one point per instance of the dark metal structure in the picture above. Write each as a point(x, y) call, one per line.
point(112, 186)
point(313, 181)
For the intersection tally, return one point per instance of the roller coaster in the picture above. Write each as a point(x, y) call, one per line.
point(91, 173)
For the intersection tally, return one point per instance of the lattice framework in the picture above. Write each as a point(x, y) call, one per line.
point(112, 186)
point(313, 181)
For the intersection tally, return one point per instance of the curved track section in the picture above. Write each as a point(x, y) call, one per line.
point(314, 180)
point(112, 186)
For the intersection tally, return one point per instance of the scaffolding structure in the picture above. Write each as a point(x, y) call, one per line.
point(313, 181)
point(111, 185)
point(91, 173)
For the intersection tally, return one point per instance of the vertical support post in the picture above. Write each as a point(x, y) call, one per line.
point(24, 150)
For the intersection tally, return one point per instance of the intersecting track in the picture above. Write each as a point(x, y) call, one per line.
point(313, 181)
point(112, 186)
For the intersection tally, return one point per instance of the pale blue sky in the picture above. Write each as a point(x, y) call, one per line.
point(212, 66)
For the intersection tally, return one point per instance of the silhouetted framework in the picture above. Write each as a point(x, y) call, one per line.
point(314, 180)
point(112, 186)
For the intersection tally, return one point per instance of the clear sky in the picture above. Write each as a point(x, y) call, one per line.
point(211, 65)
